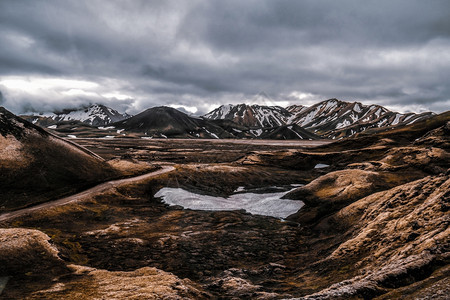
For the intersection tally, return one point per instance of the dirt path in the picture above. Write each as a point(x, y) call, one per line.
point(82, 195)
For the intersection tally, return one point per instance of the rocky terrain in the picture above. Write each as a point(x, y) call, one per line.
point(374, 223)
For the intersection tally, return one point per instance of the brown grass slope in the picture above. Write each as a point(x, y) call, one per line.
point(388, 218)
point(37, 166)
point(396, 239)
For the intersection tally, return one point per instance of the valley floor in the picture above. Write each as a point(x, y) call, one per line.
point(375, 224)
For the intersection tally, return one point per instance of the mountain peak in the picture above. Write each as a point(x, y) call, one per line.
point(251, 115)
point(93, 114)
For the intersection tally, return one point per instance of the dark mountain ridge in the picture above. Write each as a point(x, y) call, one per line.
point(165, 121)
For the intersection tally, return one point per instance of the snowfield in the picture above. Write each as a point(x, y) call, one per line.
point(269, 204)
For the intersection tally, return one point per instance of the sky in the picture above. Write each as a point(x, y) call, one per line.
point(195, 55)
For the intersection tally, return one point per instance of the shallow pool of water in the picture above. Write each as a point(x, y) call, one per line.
point(266, 204)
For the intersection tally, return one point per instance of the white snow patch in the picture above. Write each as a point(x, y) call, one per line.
point(296, 133)
point(380, 123)
point(257, 132)
point(321, 166)
point(330, 105)
point(309, 117)
point(378, 112)
point(354, 118)
point(106, 128)
point(71, 136)
point(413, 121)
point(210, 133)
point(269, 204)
point(239, 189)
point(397, 119)
point(297, 185)
point(343, 124)
point(52, 127)
point(408, 117)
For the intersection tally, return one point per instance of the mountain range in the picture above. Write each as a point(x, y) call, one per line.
point(330, 119)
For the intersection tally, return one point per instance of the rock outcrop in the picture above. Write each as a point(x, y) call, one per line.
point(27, 251)
point(397, 238)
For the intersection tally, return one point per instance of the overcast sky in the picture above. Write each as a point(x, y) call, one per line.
point(197, 55)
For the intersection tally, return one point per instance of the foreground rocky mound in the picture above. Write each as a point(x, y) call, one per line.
point(393, 243)
point(36, 166)
point(397, 237)
point(28, 253)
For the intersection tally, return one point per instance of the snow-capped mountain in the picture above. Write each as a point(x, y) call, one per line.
point(334, 118)
point(95, 115)
point(251, 115)
point(330, 118)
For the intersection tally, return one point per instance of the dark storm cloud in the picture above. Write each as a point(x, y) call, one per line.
point(191, 53)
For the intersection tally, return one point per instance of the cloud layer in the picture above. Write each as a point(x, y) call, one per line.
point(199, 54)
